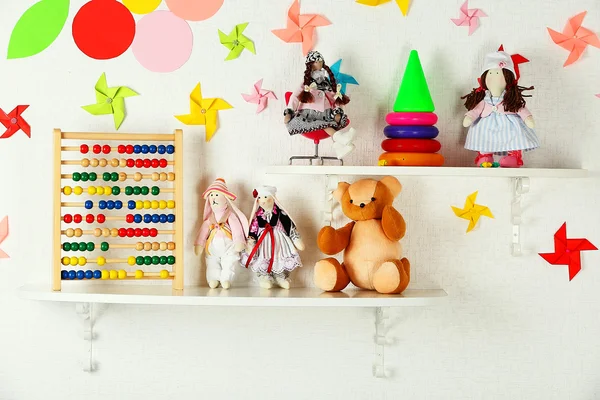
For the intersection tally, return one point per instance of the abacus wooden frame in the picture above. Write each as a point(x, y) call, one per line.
point(176, 138)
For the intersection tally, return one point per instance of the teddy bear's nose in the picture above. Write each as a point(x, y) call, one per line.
point(362, 205)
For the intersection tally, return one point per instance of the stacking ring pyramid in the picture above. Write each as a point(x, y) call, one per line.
point(411, 132)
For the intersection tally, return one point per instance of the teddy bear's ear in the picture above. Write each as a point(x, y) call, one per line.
point(341, 189)
point(393, 184)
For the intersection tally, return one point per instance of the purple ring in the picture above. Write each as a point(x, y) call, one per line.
point(410, 132)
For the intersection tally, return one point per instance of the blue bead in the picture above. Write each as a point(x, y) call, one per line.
point(102, 204)
point(163, 218)
point(80, 274)
point(118, 204)
point(131, 205)
point(147, 218)
point(162, 149)
point(89, 204)
point(155, 218)
point(72, 274)
point(137, 218)
point(145, 149)
point(97, 274)
point(137, 149)
point(64, 274)
point(110, 204)
point(170, 149)
point(89, 274)
point(152, 149)
point(171, 217)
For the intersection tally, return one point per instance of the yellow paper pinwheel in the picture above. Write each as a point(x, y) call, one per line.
point(472, 211)
point(403, 4)
point(203, 111)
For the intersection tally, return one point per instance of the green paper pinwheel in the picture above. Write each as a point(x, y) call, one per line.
point(110, 100)
point(236, 42)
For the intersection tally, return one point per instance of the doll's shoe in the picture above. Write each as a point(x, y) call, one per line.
point(283, 283)
point(484, 158)
point(346, 137)
point(213, 284)
point(226, 284)
point(265, 282)
point(343, 150)
point(514, 159)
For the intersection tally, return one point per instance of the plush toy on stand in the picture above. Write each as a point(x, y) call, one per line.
point(273, 240)
point(222, 235)
point(372, 254)
point(498, 121)
point(316, 106)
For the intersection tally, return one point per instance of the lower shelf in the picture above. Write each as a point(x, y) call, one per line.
point(236, 296)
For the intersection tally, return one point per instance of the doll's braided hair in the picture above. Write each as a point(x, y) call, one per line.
point(513, 101)
point(307, 97)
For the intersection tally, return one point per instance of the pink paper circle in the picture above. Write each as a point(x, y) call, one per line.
point(163, 41)
point(194, 10)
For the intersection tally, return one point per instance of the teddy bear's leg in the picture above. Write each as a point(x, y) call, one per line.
point(330, 275)
point(392, 277)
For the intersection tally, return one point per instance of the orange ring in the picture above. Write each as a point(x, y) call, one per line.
point(411, 159)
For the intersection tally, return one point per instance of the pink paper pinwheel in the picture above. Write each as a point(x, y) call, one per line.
point(301, 27)
point(259, 96)
point(3, 235)
point(469, 17)
point(574, 38)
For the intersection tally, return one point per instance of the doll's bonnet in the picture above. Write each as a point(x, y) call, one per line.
point(498, 59)
point(313, 56)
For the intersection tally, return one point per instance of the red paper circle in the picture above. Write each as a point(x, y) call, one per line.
point(103, 29)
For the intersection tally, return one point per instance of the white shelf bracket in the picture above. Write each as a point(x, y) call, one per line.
point(381, 340)
point(85, 311)
point(332, 183)
point(520, 187)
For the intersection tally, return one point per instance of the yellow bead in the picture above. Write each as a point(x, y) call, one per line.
point(65, 261)
point(171, 204)
point(91, 190)
point(114, 162)
point(101, 261)
point(139, 274)
point(78, 190)
point(171, 176)
point(73, 261)
point(139, 205)
point(113, 274)
point(147, 204)
point(105, 274)
point(94, 162)
point(102, 162)
point(154, 204)
point(122, 274)
point(107, 190)
point(78, 232)
point(67, 190)
point(164, 273)
point(123, 162)
point(81, 261)
point(85, 162)
point(162, 204)
point(114, 232)
point(97, 232)
point(155, 176)
point(105, 232)
point(131, 260)
point(69, 232)
point(100, 190)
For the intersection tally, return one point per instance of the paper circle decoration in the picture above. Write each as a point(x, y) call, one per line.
point(103, 29)
point(163, 42)
point(141, 6)
point(194, 10)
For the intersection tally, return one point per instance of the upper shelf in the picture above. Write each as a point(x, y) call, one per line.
point(426, 171)
point(80, 292)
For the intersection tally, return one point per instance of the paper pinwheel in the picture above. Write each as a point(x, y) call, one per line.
point(203, 111)
point(301, 27)
point(574, 38)
point(110, 100)
point(14, 121)
point(236, 42)
point(3, 235)
point(341, 78)
point(567, 251)
point(403, 4)
point(472, 211)
point(517, 60)
point(469, 17)
point(259, 96)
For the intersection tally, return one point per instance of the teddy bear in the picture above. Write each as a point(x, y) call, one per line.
point(372, 252)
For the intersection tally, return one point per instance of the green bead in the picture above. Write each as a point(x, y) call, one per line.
point(139, 260)
point(171, 260)
point(148, 260)
point(162, 260)
point(128, 190)
point(116, 190)
point(82, 246)
point(106, 176)
point(85, 176)
point(74, 246)
point(76, 176)
point(93, 176)
point(155, 190)
point(155, 260)
point(137, 190)
point(104, 246)
point(66, 246)
point(91, 246)
point(145, 190)
point(114, 177)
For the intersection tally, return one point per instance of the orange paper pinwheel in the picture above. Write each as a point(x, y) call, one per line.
point(301, 27)
point(574, 38)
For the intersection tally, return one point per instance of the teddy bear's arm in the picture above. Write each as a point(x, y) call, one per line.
point(332, 241)
point(393, 224)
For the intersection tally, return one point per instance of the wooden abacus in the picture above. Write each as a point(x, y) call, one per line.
point(174, 206)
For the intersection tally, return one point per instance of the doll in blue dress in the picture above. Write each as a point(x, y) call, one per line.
point(498, 121)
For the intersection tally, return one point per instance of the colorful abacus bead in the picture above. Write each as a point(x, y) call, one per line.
point(97, 274)
point(84, 148)
point(89, 204)
point(164, 274)
point(89, 274)
point(139, 274)
point(104, 246)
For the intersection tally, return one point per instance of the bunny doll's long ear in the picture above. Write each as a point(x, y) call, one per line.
point(341, 189)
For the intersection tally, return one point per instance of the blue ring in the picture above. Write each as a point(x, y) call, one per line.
point(410, 132)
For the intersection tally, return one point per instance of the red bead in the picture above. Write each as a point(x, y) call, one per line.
point(68, 218)
point(129, 149)
point(100, 218)
point(130, 162)
point(139, 163)
point(96, 149)
point(89, 218)
point(129, 218)
point(122, 232)
point(163, 163)
point(137, 232)
point(121, 149)
point(106, 149)
point(84, 148)
point(130, 232)
point(155, 163)
point(147, 163)
point(145, 232)
point(77, 218)
point(153, 232)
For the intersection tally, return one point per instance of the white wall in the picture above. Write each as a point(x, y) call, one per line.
point(513, 328)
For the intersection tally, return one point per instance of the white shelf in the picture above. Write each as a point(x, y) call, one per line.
point(79, 292)
point(426, 171)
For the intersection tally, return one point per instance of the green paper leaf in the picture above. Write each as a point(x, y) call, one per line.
point(37, 28)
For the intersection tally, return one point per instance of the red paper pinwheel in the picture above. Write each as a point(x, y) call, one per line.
point(567, 251)
point(14, 121)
